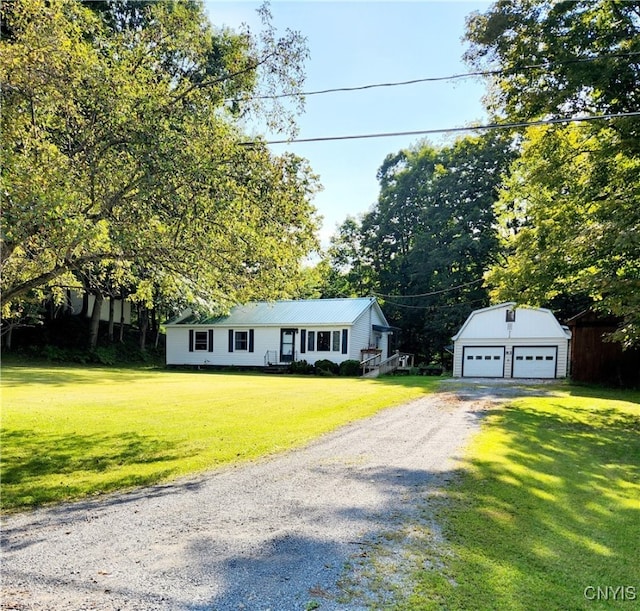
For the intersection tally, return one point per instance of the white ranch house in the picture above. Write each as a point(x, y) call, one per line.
point(261, 334)
point(505, 341)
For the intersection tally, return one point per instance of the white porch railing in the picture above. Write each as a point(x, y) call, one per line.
point(375, 366)
point(371, 364)
point(271, 358)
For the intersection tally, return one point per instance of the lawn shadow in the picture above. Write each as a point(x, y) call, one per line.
point(53, 374)
point(561, 517)
point(32, 463)
point(477, 388)
point(320, 559)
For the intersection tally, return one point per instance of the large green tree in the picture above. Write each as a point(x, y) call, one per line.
point(569, 215)
point(571, 226)
point(122, 161)
point(426, 244)
point(560, 58)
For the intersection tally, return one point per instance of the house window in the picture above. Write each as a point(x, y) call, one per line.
point(241, 340)
point(324, 341)
point(335, 342)
point(511, 316)
point(311, 341)
point(201, 342)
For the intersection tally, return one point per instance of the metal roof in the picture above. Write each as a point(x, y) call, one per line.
point(300, 312)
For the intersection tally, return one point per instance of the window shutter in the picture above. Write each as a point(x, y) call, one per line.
point(303, 341)
point(210, 340)
point(230, 340)
point(250, 340)
point(345, 341)
point(190, 340)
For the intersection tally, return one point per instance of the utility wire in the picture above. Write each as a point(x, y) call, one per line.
point(434, 79)
point(451, 288)
point(449, 130)
point(432, 308)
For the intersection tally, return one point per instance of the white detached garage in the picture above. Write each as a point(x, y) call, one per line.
point(504, 341)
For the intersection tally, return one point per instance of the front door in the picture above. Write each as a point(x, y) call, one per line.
point(287, 345)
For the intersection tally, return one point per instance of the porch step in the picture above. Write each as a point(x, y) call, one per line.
point(372, 373)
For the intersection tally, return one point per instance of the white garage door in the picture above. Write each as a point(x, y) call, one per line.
point(485, 362)
point(538, 362)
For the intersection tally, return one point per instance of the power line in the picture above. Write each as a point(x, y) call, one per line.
point(447, 290)
point(434, 308)
point(433, 79)
point(450, 130)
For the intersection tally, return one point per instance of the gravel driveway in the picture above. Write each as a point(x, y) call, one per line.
point(276, 534)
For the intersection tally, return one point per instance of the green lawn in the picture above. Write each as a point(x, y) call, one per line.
point(69, 432)
point(546, 510)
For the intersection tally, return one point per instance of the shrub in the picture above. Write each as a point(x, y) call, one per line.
point(301, 367)
point(105, 355)
point(350, 368)
point(326, 367)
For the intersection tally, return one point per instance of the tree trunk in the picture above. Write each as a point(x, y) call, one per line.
point(122, 321)
point(94, 327)
point(85, 305)
point(112, 308)
point(156, 327)
point(143, 322)
point(8, 338)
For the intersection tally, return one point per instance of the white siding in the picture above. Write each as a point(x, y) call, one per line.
point(76, 299)
point(178, 347)
point(532, 327)
point(265, 339)
point(562, 345)
point(311, 356)
point(267, 333)
point(365, 337)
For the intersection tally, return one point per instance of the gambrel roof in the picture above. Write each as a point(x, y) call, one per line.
point(530, 322)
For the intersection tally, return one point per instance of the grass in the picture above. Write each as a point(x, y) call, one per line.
point(546, 510)
point(71, 432)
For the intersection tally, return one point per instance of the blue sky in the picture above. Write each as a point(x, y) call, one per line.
point(361, 43)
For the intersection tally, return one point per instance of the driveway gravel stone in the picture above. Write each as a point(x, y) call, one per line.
point(275, 534)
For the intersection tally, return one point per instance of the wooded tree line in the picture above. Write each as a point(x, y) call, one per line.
point(547, 215)
point(123, 166)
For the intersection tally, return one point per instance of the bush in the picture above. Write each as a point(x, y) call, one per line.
point(301, 367)
point(326, 367)
point(350, 368)
point(105, 355)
